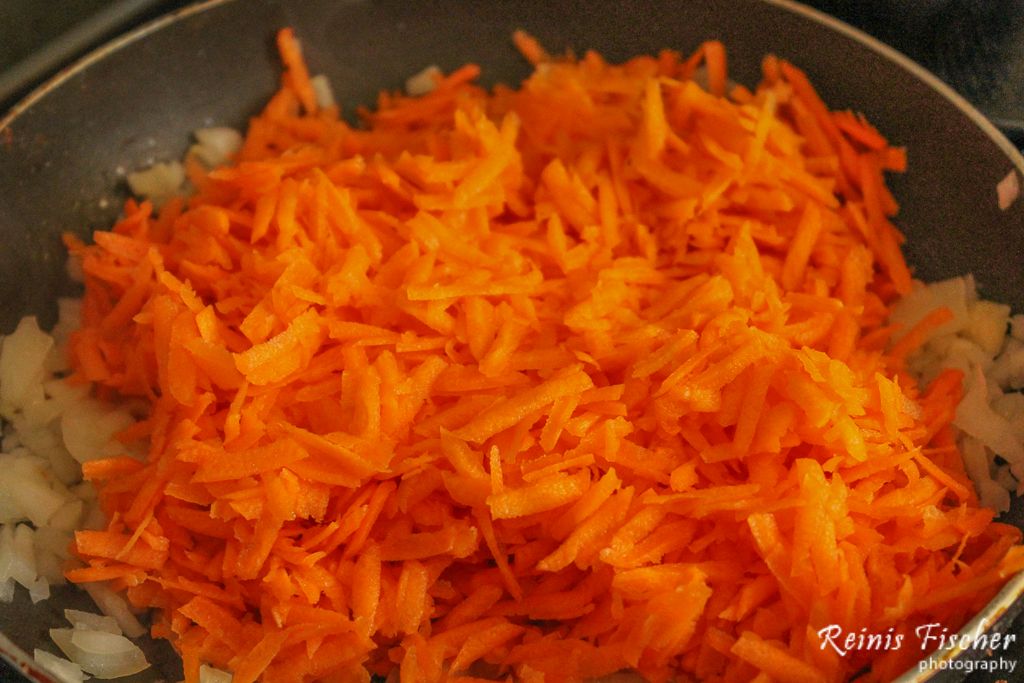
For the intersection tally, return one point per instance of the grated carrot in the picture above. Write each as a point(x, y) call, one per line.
point(536, 384)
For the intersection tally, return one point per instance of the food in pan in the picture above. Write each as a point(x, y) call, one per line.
point(614, 371)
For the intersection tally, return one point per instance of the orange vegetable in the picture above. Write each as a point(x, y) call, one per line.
point(539, 384)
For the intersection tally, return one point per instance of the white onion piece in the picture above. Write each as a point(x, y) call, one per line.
point(53, 541)
point(23, 564)
point(11, 440)
point(1008, 369)
point(104, 655)
point(29, 491)
point(216, 145)
point(1007, 190)
point(63, 670)
point(424, 82)
point(988, 325)
point(114, 605)
point(159, 182)
point(21, 362)
point(49, 566)
point(89, 431)
point(39, 590)
point(323, 91)
point(208, 674)
point(956, 294)
point(6, 552)
point(93, 622)
point(975, 416)
point(38, 414)
point(66, 395)
point(68, 516)
point(10, 510)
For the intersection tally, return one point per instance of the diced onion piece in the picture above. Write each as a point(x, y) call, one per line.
point(208, 674)
point(31, 494)
point(216, 145)
point(1008, 369)
point(159, 182)
point(54, 541)
point(6, 552)
point(39, 590)
point(89, 431)
point(1007, 190)
point(10, 510)
point(423, 82)
point(323, 91)
point(975, 416)
point(113, 605)
point(68, 516)
point(23, 562)
point(22, 357)
point(956, 294)
point(66, 395)
point(37, 415)
point(90, 621)
point(987, 325)
point(49, 565)
point(104, 655)
point(63, 670)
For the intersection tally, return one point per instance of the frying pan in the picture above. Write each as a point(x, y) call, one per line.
point(64, 150)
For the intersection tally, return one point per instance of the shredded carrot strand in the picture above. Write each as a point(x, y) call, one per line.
point(542, 384)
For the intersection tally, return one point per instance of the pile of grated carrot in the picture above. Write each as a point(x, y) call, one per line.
point(538, 384)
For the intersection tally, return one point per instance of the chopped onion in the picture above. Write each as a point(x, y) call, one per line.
point(38, 414)
point(6, 552)
point(94, 622)
point(104, 655)
point(66, 395)
point(62, 669)
point(21, 363)
point(955, 294)
point(987, 326)
point(50, 565)
point(1008, 369)
point(114, 605)
point(39, 590)
point(216, 145)
point(423, 82)
point(208, 674)
point(67, 518)
point(323, 91)
point(90, 428)
point(28, 490)
point(975, 416)
point(159, 182)
point(23, 562)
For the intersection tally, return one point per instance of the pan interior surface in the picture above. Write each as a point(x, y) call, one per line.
point(64, 154)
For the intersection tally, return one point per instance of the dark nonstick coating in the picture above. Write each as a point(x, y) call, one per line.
point(63, 152)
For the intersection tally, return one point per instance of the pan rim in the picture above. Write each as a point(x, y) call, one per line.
point(1009, 600)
